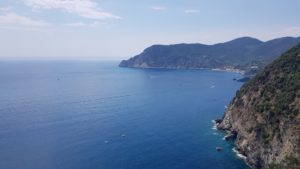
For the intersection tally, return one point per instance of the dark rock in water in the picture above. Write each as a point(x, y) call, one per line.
point(244, 79)
point(230, 136)
point(219, 148)
point(218, 121)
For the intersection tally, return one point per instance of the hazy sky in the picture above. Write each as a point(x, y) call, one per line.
point(123, 28)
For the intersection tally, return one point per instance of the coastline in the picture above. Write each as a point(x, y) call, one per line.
point(238, 154)
point(232, 70)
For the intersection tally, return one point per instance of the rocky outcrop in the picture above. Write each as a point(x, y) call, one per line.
point(231, 135)
point(265, 115)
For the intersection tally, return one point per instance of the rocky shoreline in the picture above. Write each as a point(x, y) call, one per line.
point(230, 136)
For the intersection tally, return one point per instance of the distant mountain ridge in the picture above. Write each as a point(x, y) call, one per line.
point(246, 54)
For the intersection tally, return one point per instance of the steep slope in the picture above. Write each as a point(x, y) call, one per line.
point(264, 116)
point(242, 53)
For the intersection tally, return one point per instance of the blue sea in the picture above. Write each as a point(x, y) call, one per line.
point(95, 115)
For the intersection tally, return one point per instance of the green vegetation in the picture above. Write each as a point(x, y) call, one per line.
point(273, 166)
point(272, 99)
point(293, 161)
point(289, 162)
point(278, 87)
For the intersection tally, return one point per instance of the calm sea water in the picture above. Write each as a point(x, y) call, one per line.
point(90, 115)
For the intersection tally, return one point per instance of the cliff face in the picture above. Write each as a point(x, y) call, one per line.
point(242, 53)
point(265, 115)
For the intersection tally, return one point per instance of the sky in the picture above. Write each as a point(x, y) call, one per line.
point(85, 29)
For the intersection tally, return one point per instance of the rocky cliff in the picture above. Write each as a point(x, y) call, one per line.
point(264, 116)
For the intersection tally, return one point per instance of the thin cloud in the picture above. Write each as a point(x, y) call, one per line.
point(158, 8)
point(76, 24)
point(81, 24)
point(83, 8)
point(293, 31)
point(14, 20)
point(191, 11)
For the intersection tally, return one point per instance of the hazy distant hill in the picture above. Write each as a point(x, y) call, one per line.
point(246, 53)
point(265, 115)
